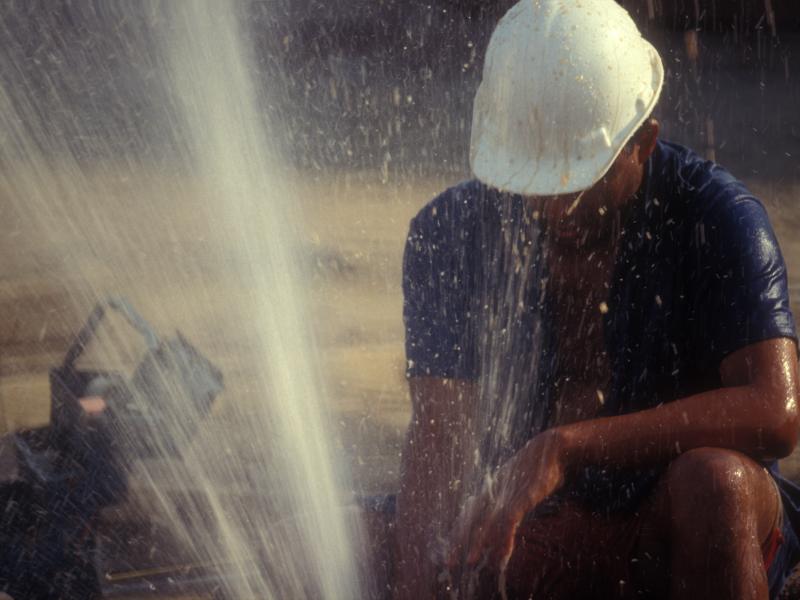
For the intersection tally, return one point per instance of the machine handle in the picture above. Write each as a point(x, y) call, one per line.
point(122, 306)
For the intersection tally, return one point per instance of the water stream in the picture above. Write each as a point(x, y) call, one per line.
point(101, 185)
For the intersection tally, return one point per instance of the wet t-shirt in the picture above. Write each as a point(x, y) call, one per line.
point(698, 275)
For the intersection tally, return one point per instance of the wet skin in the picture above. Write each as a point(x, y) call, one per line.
point(704, 526)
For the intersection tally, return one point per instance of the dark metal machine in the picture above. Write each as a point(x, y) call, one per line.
point(55, 480)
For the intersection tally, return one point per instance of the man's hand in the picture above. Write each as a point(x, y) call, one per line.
point(485, 531)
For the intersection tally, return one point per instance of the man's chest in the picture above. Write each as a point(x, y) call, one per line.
point(577, 302)
point(616, 329)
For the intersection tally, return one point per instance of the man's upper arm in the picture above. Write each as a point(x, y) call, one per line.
point(749, 326)
point(770, 364)
point(769, 369)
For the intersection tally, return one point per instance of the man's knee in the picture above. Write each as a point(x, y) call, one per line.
point(715, 482)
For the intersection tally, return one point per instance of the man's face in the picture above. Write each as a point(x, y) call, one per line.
point(590, 220)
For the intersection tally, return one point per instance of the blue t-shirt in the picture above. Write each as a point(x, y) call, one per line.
point(698, 275)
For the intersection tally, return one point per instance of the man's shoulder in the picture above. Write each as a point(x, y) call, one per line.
point(454, 208)
point(703, 185)
point(714, 208)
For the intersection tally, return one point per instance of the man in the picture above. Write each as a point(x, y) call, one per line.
point(601, 355)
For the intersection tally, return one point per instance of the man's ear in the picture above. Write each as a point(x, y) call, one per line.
point(646, 139)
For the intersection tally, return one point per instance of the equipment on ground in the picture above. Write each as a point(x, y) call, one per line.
point(54, 480)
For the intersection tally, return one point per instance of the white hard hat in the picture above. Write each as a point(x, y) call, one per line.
point(566, 84)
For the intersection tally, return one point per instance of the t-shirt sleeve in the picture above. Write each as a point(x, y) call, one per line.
point(744, 281)
point(435, 306)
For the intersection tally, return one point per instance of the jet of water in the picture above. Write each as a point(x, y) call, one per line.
point(202, 221)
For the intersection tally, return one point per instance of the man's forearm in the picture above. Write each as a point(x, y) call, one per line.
point(755, 413)
point(418, 522)
point(741, 418)
point(427, 505)
point(433, 471)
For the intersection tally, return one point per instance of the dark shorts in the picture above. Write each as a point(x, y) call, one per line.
point(564, 551)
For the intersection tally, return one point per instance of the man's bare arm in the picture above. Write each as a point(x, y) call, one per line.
point(433, 469)
point(755, 413)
